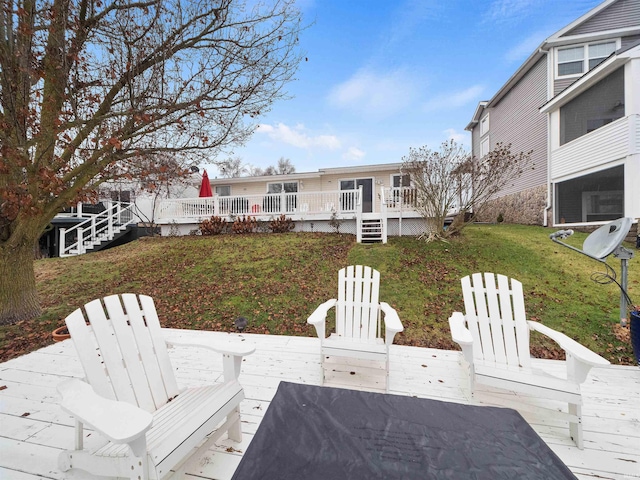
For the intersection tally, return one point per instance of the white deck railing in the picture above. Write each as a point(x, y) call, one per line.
point(400, 198)
point(299, 203)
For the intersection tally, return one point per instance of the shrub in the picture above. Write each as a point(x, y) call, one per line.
point(244, 225)
point(335, 222)
point(282, 224)
point(213, 226)
point(500, 218)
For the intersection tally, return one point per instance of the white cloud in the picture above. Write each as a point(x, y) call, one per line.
point(455, 99)
point(503, 11)
point(458, 137)
point(522, 50)
point(375, 94)
point(297, 137)
point(353, 153)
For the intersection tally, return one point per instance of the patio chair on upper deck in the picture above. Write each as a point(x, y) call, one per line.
point(494, 337)
point(358, 314)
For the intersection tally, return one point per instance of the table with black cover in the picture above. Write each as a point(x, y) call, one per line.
point(310, 432)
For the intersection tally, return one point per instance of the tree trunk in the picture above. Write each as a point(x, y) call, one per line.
point(18, 295)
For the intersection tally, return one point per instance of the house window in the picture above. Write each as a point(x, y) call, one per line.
point(601, 104)
point(598, 197)
point(577, 60)
point(279, 187)
point(599, 52)
point(271, 202)
point(484, 125)
point(398, 180)
point(223, 190)
point(484, 147)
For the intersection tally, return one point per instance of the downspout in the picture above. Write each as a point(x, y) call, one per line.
point(550, 75)
point(548, 205)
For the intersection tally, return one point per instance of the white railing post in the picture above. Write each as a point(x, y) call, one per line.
point(93, 227)
point(216, 205)
point(62, 242)
point(80, 240)
point(358, 200)
point(383, 211)
point(79, 209)
point(110, 222)
point(283, 202)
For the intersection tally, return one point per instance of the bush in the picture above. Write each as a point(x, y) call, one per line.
point(213, 226)
point(282, 224)
point(244, 225)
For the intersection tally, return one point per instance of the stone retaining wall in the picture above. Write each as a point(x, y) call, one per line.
point(526, 207)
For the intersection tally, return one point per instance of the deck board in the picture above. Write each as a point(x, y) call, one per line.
point(33, 428)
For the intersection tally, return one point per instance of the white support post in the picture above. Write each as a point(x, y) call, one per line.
point(283, 202)
point(62, 242)
point(110, 223)
point(358, 201)
point(80, 241)
point(384, 215)
point(79, 209)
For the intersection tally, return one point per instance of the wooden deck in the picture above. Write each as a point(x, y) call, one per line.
point(33, 429)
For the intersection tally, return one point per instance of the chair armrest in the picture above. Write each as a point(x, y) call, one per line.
point(235, 349)
point(570, 346)
point(120, 422)
point(319, 316)
point(392, 323)
point(459, 333)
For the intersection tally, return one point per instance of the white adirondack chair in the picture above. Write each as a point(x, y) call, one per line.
point(131, 397)
point(494, 337)
point(358, 315)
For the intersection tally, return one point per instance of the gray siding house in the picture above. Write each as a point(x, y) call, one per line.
point(575, 102)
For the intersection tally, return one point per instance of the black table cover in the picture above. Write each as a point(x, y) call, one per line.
point(311, 432)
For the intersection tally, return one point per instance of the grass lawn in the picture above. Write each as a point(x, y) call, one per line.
point(276, 281)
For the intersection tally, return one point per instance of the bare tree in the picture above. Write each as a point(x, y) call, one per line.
point(88, 87)
point(232, 167)
point(452, 182)
point(153, 180)
point(284, 167)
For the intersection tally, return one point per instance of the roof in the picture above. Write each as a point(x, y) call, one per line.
point(297, 176)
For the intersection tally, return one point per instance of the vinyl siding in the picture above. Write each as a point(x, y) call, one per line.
point(560, 84)
point(517, 120)
point(630, 40)
point(624, 13)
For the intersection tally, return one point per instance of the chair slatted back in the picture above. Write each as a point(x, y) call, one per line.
point(495, 314)
point(122, 351)
point(357, 309)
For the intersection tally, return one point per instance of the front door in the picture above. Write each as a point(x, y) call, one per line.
point(367, 193)
point(347, 199)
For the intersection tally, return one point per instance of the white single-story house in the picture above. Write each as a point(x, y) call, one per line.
point(369, 201)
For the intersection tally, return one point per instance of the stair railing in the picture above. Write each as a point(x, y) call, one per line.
point(99, 227)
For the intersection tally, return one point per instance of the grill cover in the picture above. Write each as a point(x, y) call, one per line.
point(310, 432)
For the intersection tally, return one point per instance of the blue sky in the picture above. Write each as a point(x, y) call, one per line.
point(383, 76)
